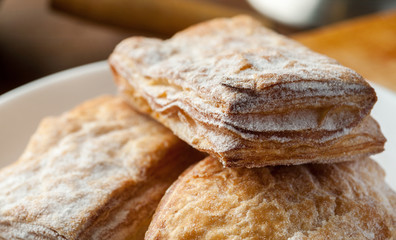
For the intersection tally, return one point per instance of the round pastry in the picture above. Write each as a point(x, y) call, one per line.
point(347, 200)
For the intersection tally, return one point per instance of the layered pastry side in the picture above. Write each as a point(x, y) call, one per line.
point(348, 200)
point(238, 91)
point(96, 172)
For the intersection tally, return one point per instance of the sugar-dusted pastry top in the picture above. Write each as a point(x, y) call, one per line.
point(96, 172)
point(236, 74)
point(315, 201)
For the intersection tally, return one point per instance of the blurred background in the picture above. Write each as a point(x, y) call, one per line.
point(41, 37)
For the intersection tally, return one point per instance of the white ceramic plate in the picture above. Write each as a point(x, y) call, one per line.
point(23, 108)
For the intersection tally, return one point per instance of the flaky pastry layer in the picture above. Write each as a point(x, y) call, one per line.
point(314, 201)
point(239, 78)
point(96, 172)
point(235, 151)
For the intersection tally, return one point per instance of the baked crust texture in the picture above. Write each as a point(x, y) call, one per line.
point(228, 86)
point(348, 200)
point(95, 172)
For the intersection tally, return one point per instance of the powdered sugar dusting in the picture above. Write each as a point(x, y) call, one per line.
point(251, 59)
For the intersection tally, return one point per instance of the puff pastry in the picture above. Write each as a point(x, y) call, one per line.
point(96, 172)
point(235, 89)
point(348, 200)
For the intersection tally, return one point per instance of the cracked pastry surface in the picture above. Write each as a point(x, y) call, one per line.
point(95, 172)
point(226, 84)
point(348, 200)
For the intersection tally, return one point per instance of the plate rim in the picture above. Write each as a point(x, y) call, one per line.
point(54, 78)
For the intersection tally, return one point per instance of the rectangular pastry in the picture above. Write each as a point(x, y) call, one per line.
point(234, 89)
point(96, 172)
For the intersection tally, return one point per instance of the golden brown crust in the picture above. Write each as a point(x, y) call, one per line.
point(228, 83)
point(315, 201)
point(96, 172)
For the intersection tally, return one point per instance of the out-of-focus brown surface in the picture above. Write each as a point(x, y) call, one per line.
point(367, 45)
point(36, 41)
point(161, 17)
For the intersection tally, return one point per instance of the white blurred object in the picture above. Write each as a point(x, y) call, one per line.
point(311, 13)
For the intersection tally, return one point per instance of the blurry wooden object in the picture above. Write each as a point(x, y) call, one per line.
point(159, 17)
point(367, 45)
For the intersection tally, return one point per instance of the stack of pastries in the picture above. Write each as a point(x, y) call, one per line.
point(286, 132)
